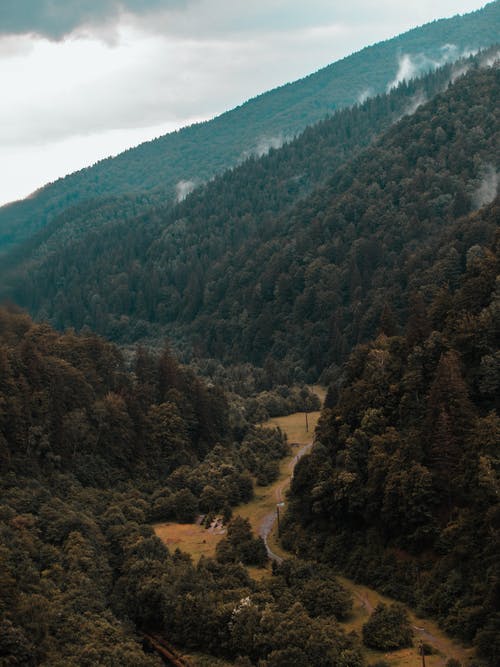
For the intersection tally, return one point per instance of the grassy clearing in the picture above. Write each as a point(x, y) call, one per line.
point(195, 540)
point(266, 497)
point(295, 426)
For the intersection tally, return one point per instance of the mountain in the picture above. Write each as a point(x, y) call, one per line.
point(91, 454)
point(364, 252)
point(271, 263)
point(402, 488)
point(196, 153)
point(399, 247)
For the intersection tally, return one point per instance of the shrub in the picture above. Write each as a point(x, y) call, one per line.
point(388, 628)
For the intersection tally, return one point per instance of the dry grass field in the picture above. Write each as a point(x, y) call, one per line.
point(193, 539)
point(295, 426)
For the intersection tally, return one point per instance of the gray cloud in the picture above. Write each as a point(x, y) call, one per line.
point(223, 18)
point(55, 19)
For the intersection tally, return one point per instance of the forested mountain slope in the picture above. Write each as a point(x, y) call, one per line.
point(90, 454)
point(68, 402)
point(256, 191)
point(402, 488)
point(240, 276)
point(198, 152)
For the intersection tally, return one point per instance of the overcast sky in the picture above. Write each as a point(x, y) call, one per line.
point(84, 79)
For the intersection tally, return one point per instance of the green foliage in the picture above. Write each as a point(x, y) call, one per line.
point(388, 628)
point(82, 574)
point(261, 450)
point(241, 546)
point(68, 402)
point(280, 401)
point(292, 636)
point(315, 586)
point(185, 506)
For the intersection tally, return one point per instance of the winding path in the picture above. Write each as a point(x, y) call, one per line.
point(267, 523)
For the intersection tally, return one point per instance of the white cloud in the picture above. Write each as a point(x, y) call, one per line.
point(410, 67)
point(92, 88)
point(491, 60)
point(144, 80)
point(26, 168)
point(364, 95)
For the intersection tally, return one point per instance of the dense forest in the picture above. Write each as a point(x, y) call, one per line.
point(72, 403)
point(91, 453)
point(363, 254)
point(197, 153)
point(242, 273)
point(402, 488)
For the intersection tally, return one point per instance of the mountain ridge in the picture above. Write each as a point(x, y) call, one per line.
point(196, 154)
point(230, 248)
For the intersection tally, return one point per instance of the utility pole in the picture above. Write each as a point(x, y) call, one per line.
point(307, 424)
point(422, 652)
point(278, 505)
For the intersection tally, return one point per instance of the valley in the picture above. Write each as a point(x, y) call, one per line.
point(228, 375)
point(199, 541)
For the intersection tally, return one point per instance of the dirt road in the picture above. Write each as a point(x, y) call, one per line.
point(267, 523)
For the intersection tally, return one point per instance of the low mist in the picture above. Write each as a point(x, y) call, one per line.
point(488, 189)
point(183, 189)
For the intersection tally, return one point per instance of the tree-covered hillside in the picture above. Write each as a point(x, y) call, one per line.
point(244, 274)
point(198, 152)
point(402, 488)
point(69, 402)
point(365, 253)
point(277, 181)
point(90, 455)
